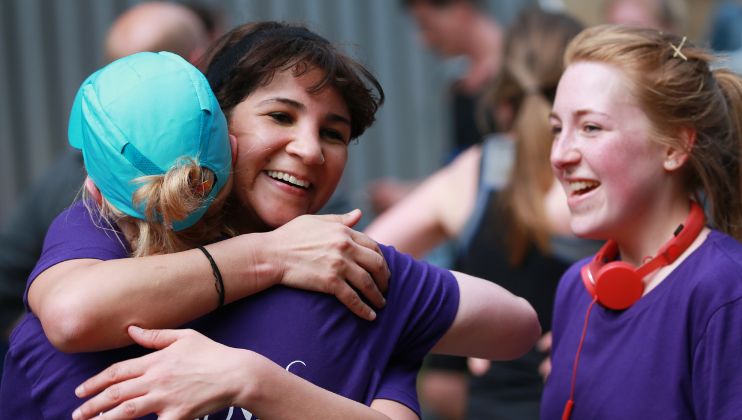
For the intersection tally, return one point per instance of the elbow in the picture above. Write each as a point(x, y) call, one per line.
point(524, 332)
point(67, 327)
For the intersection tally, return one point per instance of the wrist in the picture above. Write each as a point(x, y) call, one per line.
point(260, 262)
point(253, 379)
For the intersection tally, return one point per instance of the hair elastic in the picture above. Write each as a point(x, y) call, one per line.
point(219, 282)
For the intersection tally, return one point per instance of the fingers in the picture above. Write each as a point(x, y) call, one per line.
point(349, 297)
point(362, 281)
point(369, 257)
point(544, 343)
point(153, 339)
point(118, 401)
point(115, 373)
point(349, 219)
point(477, 366)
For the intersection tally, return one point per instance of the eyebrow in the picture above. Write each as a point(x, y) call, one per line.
point(580, 113)
point(301, 107)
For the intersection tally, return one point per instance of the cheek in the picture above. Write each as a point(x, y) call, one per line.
point(335, 159)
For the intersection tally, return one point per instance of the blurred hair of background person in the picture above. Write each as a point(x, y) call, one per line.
point(500, 202)
point(665, 15)
point(152, 26)
point(462, 30)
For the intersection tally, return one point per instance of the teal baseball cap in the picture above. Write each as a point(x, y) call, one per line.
point(141, 115)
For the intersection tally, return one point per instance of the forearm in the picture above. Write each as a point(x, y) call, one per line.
point(191, 376)
point(86, 305)
point(282, 395)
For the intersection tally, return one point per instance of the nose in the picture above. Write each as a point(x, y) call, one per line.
point(564, 153)
point(306, 145)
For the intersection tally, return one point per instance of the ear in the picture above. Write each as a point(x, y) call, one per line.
point(233, 144)
point(675, 157)
point(93, 190)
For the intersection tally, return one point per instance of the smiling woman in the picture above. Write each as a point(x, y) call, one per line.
point(297, 146)
point(643, 131)
point(292, 104)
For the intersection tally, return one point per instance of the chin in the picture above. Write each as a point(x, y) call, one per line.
point(585, 228)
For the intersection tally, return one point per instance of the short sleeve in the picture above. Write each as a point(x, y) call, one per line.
point(422, 303)
point(399, 383)
point(427, 300)
point(717, 363)
point(76, 234)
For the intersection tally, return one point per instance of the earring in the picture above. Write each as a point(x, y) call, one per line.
point(671, 164)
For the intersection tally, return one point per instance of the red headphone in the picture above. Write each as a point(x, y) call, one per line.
point(617, 284)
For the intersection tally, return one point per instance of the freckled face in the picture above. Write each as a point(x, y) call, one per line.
point(602, 152)
point(292, 149)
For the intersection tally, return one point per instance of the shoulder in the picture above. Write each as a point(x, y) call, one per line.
point(404, 268)
point(79, 232)
point(571, 280)
point(711, 278)
point(716, 265)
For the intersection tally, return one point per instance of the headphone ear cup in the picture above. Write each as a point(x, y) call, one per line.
point(618, 286)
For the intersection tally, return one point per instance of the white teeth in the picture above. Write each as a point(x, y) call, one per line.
point(288, 178)
point(582, 186)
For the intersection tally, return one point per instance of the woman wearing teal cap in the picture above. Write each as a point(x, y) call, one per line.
point(293, 103)
point(154, 151)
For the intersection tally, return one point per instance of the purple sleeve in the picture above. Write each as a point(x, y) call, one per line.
point(422, 301)
point(76, 234)
point(717, 363)
point(399, 383)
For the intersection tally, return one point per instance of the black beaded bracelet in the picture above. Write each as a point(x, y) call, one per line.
point(219, 283)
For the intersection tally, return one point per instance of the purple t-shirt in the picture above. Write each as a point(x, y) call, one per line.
point(675, 354)
point(310, 334)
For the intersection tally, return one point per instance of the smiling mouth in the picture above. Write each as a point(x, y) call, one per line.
point(582, 187)
point(289, 179)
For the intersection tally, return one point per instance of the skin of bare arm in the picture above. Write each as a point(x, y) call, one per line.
point(435, 211)
point(79, 301)
point(491, 323)
point(235, 377)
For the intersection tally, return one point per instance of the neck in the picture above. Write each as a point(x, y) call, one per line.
point(651, 230)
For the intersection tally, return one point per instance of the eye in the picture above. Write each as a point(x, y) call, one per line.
point(281, 117)
point(556, 130)
point(334, 135)
point(590, 128)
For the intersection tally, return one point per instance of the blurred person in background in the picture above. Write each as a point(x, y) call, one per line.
point(453, 29)
point(500, 202)
point(151, 26)
point(665, 15)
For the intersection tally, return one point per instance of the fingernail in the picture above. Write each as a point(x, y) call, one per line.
point(383, 301)
point(136, 329)
point(76, 414)
point(79, 390)
point(372, 314)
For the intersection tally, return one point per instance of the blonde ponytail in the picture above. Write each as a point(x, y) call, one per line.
point(169, 198)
